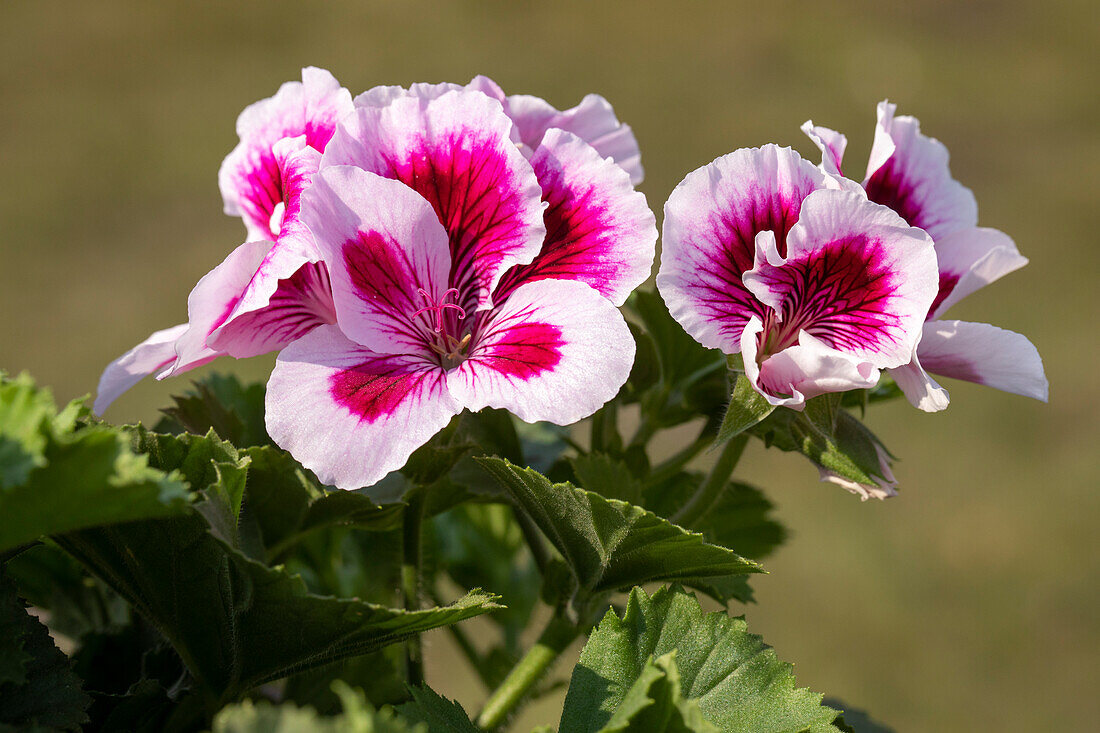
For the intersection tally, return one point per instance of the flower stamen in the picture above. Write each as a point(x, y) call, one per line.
point(438, 307)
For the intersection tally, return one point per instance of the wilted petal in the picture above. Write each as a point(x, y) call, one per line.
point(456, 151)
point(599, 230)
point(884, 487)
point(909, 173)
point(349, 414)
point(985, 354)
point(556, 350)
point(803, 371)
point(970, 259)
point(250, 178)
point(711, 222)
point(148, 357)
point(855, 276)
point(212, 301)
point(387, 257)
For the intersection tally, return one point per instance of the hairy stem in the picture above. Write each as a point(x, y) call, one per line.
point(410, 582)
point(556, 638)
point(708, 493)
point(533, 538)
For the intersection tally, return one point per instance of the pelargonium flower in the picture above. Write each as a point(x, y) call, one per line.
point(909, 172)
point(464, 275)
point(818, 288)
point(265, 293)
point(274, 288)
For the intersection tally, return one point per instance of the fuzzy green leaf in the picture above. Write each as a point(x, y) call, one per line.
point(44, 692)
point(219, 402)
point(236, 622)
point(607, 476)
point(736, 682)
point(610, 544)
point(436, 712)
point(56, 475)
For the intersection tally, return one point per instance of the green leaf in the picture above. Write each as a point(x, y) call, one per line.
point(287, 503)
point(78, 603)
point(235, 622)
point(646, 371)
point(655, 703)
point(437, 713)
point(80, 478)
point(13, 628)
point(680, 355)
point(736, 682)
point(747, 408)
point(43, 691)
point(26, 417)
point(358, 717)
point(219, 402)
point(610, 544)
point(607, 476)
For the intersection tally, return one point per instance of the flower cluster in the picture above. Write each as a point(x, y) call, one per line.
point(413, 253)
point(821, 282)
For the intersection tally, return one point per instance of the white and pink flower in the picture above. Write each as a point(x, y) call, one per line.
point(818, 288)
point(440, 255)
point(464, 274)
point(909, 172)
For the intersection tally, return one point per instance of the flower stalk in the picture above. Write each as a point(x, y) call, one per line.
point(556, 638)
point(411, 582)
point(708, 493)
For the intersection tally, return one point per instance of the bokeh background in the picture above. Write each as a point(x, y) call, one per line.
point(968, 603)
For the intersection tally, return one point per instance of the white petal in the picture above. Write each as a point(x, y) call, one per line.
point(985, 354)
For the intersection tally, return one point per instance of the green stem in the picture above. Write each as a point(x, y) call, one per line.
point(605, 430)
point(556, 638)
point(708, 493)
point(410, 582)
point(670, 466)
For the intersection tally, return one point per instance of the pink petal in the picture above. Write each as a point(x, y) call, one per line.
point(457, 151)
point(299, 304)
point(349, 414)
point(803, 371)
point(854, 276)
point(593, 120)
point(250, 178)
point(909, 173)
point(556, 350)
point(711, 222)
point(831, 144)
point(151, 355)
point(383, 245)
point(599, 229)
point(211, 303)
point(985, 354)
point(970, 259)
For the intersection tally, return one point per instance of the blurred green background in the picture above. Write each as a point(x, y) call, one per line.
point(968, 603)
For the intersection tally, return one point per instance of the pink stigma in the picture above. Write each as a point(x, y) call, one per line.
point(437, 308)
